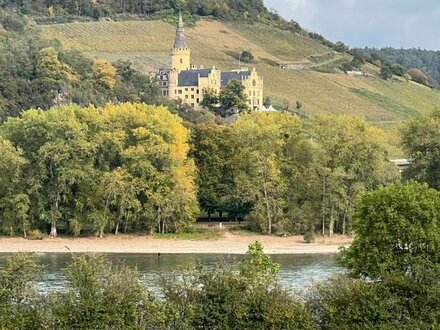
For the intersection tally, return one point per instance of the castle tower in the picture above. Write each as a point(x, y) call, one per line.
point(180, 54)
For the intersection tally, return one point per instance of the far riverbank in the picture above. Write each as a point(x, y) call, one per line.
point(228, 244)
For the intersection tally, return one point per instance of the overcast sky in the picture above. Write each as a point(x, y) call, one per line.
point(379, 23)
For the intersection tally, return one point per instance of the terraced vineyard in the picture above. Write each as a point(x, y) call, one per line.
point(386, 103)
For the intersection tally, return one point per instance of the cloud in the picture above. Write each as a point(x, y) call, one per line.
point(379, 23)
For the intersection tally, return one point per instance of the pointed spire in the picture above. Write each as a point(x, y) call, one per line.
point(180, 25)
point(180, 41)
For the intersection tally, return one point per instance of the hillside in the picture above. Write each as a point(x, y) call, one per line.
point(147, 44)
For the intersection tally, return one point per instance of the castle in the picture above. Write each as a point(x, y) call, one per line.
point(187, 82)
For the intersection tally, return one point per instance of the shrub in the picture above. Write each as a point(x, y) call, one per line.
point(35, 234)
point(309, 236)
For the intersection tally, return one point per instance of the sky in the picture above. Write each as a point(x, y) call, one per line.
point(373, 23)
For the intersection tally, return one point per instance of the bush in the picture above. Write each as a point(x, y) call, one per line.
point(246, 56)
point(309, 236)
point(385, 72)
point(398, 70)
point(395, 303)
point(35, 234)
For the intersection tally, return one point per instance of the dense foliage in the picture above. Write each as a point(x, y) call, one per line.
point(36, 73)
point(397, 231)
point(246, 295)
point(426, 60)
point(266, 168)
point(225, 9)
point(420, 140)
point(97, 168)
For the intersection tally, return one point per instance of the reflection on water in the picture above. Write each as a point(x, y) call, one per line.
point(297, 271)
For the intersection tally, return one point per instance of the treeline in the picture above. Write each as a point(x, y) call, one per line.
point(422, 66)
point(224, 9)
point(114, 168)
point(426, 60)
point(101, 295)
point(285, 177)
point(36, 73)
point(131, 167)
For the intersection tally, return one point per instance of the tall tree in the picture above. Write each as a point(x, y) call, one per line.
point(420, 140)
point(352, 159)
point(14, 201)
point(260, 141)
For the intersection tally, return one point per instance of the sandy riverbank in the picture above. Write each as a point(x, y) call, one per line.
point(229, 244)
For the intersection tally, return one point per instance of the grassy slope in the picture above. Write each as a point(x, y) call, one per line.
point(213, 43)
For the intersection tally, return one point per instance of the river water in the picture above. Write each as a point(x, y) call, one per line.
point(297, 271)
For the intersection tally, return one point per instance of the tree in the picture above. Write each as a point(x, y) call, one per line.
point(420, 141)
point(49, 66)
point(398, 70)
point(232, 96)
point(14, 201)
point(340, 47)
point(212, 151)
point(246, 56)
point(351, 158)
point(210, 99)
point(104, 74)
point(386, 72)
point(267, 102)
point(397, 231)
point(418, 76)
point(358, 60)
point(261, 141)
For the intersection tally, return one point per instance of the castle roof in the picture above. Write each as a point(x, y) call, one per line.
point(191, 77)
point(180, 41)
point(234, 75)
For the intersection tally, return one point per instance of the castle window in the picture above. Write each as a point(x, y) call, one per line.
point(192, 89)
point(164, 93)
point(180, 91)
point(192, 96)
point(186, 97)
point(164, 83)
point(254, 83)
point(181, 61)
point(198, 91)
point(186, 89)
point(198, 100)
point(192, 104)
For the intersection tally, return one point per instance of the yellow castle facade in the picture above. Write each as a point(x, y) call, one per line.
point(187, 82)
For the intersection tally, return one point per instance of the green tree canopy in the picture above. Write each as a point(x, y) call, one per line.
point(397, 231)
point(232, 96)
point(420, 140)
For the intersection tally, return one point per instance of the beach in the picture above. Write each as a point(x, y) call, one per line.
point(228, 244)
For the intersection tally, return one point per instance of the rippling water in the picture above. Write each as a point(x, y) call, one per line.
point(297, 271)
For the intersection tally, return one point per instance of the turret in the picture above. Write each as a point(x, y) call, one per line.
point(180, 53)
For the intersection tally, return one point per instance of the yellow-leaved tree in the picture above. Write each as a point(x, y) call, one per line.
point(104, 73)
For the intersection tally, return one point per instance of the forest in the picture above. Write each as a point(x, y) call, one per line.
point(424, 64)
point(37, 73)
point(224, 9)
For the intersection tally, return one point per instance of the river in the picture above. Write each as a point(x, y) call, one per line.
point(297, 271)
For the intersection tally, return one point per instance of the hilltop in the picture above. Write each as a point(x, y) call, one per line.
point(314, 80)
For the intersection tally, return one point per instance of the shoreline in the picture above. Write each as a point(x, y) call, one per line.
point(228, 244)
